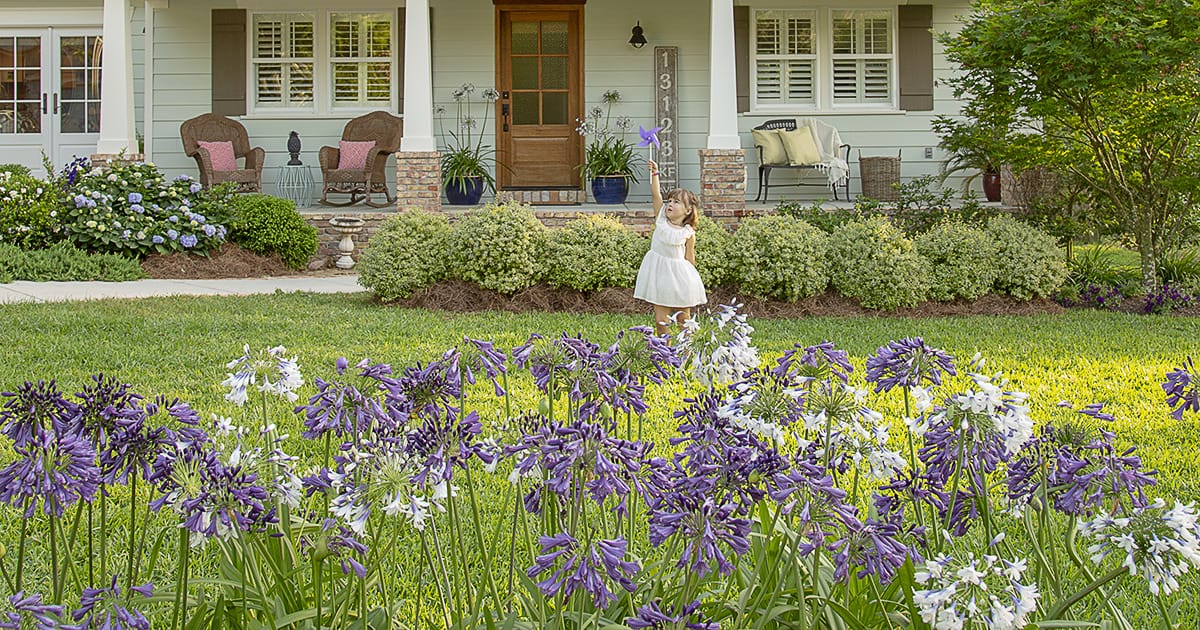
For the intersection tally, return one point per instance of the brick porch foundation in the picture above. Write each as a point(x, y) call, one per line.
point(723, 185)
point(419, 180)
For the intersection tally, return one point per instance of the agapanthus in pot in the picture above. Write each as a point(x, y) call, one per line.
point(609, 161)
point(466, 160)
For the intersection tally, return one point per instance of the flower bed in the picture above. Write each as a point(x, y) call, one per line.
point(420, 496)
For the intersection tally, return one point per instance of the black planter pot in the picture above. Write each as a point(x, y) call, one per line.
point(466, 194)
point(610, 189)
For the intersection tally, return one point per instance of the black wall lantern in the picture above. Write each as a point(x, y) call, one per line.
point(638, 40)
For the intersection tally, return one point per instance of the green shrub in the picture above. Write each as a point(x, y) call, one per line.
point(28, 210)
point(63, 262)
point(780, 257)
point(15, 169)
point(264, 224)
point(132, 209)
point(960, 259)
point(1028, 261)
point(873, 262)
point(826, 219)
point(712, 253)
point(406, 254)
point(498, 247)
point(592, 252)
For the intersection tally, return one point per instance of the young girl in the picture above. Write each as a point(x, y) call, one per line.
point(668, 278)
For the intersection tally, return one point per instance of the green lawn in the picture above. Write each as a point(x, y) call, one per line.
point(179, 347)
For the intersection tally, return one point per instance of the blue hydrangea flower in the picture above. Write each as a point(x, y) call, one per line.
point(188, 240)
point(195, 187)
point(210, 231)
point(157, 240)
point(172, 234)
point(135, 197)
point(137, 207)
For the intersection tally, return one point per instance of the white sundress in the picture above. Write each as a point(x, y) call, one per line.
point(666, 278)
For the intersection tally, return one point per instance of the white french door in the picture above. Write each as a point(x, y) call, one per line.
point(49, 95)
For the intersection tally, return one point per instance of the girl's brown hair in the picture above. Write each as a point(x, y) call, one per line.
point(689, 201)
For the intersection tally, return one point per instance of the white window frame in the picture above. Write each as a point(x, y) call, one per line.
point(323, 61)
point(823, 67)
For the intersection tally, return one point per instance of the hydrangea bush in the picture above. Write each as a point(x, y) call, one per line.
point(783, 496)
point(28, 211)
point(133, 209)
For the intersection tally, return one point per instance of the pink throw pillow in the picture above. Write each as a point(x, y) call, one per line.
point(352, 156)
point(221, 154)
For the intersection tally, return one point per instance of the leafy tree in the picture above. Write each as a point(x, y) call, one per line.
point(1103, 92)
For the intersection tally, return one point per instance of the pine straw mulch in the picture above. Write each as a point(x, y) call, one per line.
point(228, 261)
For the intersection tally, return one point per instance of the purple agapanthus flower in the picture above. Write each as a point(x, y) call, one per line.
point(341, 542)
point(653, 617)
point(443, 443)
point(345, 410)
point(808, 491)
point(908, 363)
point(34, 409)
point(583, 455)
point(432, 388)
point(104, 609)
point(55, 468)
point(705, 527)
point(641, 353)
point(1183, 392)
point(483, 355)
point(818, 362)
point(872, 547)
point(590, 568)
point(30, 613)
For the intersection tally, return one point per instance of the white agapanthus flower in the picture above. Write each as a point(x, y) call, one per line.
point(1158, 543)
point(973, 592)
point(271, 371)
point(717, 347)
point(992, 410)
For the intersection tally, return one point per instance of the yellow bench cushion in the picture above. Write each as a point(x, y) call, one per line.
point(801, 146)
point(773, 152)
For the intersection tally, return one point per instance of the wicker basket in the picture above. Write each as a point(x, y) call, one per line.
point(878, 175)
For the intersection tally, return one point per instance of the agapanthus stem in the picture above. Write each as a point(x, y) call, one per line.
point(21, 554)
point(1162, 610)
point(958, 469)
point(318, 587)
point(483, 550)
point(1061, 607)
point(452, 590)
point(103, 536)
point(512, 543)
point(180, 582)
point(91, 551)
point(129, 572)
point(56, 589)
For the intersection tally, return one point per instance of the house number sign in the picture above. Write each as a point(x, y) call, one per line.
point(666, 114)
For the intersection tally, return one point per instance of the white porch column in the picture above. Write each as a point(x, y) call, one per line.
point(116, 83)
point(722, 86)
point(418, 79)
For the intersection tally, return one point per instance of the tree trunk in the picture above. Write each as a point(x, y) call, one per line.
point(1145, 243)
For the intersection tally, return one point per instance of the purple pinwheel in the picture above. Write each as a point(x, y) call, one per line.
point(649, 136)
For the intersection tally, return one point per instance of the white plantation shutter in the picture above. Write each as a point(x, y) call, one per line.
point(284, 44)
point(863, 57)
point(784, 58)
point(360, 55)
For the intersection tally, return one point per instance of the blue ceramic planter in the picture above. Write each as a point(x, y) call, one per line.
point(468, 194)
point(610, 189)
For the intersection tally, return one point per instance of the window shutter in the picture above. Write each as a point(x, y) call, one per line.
point(229, 62)
point(915, 52)
point(741, 44)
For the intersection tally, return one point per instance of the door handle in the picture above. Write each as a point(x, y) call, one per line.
point(44, 111)
point(56, 103)
point(504, 112)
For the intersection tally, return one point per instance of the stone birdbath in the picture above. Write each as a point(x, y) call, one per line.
point(347, 227)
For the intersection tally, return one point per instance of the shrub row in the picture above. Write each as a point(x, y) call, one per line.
point(64, 262)
point(505, 248)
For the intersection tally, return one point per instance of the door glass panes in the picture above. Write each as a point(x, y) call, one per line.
point(539, 73)
point(79, 74)
point(554, 38)
point(20, 85)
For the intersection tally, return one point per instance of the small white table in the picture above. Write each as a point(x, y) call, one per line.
point(295, 182)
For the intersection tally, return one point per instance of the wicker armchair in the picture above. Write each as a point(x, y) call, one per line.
point(386, 130)
point(215, 128)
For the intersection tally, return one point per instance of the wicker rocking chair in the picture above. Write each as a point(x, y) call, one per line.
point(386, 131)
point(215, 128)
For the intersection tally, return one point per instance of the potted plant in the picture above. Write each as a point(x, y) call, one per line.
point(609, 160)
point(974, 147)
point(466, 159)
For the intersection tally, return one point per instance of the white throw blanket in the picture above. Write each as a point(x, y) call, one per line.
point(830, 143)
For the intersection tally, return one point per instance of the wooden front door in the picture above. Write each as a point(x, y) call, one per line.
point(540, 78)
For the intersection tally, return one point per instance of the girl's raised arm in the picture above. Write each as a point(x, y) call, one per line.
point(655, 188)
